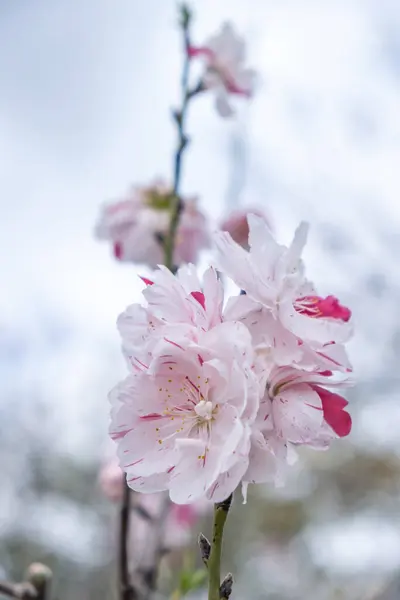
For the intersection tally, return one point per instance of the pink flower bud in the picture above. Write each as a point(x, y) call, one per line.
point(236, 224)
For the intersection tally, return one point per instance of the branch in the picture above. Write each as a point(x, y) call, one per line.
point(183, 140)
point(126, 591)
point(22, 591)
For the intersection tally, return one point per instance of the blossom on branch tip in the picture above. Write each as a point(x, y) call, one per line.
point(220, 396)
point(224, 56)
point(138, 225)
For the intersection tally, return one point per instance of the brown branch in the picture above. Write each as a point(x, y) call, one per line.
point(183, 140)
point(126, 591)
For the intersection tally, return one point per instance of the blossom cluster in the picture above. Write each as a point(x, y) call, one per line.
point(221, 394)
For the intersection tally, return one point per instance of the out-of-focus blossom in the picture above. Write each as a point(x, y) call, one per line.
point(281, 307)
point(181, 520)
point(111, 480)
point(138, 225)
point(224, 57)
point(237, 226)
point(181, 517)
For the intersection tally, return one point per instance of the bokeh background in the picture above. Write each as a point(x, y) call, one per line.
point(86, 93)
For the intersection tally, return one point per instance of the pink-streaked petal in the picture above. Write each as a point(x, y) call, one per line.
point(197, 467)
point(334, 414)
point(297, 412)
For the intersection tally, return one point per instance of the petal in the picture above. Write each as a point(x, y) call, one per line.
point(297, 412)
point(262, 461)
point(150, 445)
point(321, 330)
point(150, 484)
point(296, 248)
point(227, 482)
point(337, 418)
point(229, 435)
point(196, 469)
point(214, 294)
point(222, 105)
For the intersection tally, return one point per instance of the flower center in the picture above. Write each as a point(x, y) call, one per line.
point(204, 410)
point(318, 307)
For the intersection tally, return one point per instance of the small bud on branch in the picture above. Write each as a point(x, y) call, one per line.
point(205, 548)
point(225, 589)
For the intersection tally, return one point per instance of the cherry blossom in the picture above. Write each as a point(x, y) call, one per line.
point(183, 422)
point(300, 408)
point(137, 226)
point(225, 73)
point(177, 306)
point(296, 409)
point(281, 307)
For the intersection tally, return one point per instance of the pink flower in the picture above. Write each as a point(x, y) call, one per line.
point(111, 480)
point(138, 225)
point(296, 409)
point(237, 226)
point(300, 409)
point(183, 422)
point(281, 307)
point(224, 57)
point(178, 306)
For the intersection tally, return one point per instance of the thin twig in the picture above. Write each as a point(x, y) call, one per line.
point(183, 140)
point(221, 510)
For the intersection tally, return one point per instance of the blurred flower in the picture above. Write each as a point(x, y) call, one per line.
point(182, 517)
point(281, 307)
point(224, 57)
point(111, 480)
point(237, 226)
point(181, 520)
point(137, 226)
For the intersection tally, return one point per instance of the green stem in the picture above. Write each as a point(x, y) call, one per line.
point(221, 510)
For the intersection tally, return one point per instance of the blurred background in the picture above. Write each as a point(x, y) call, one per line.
point(86, 94)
